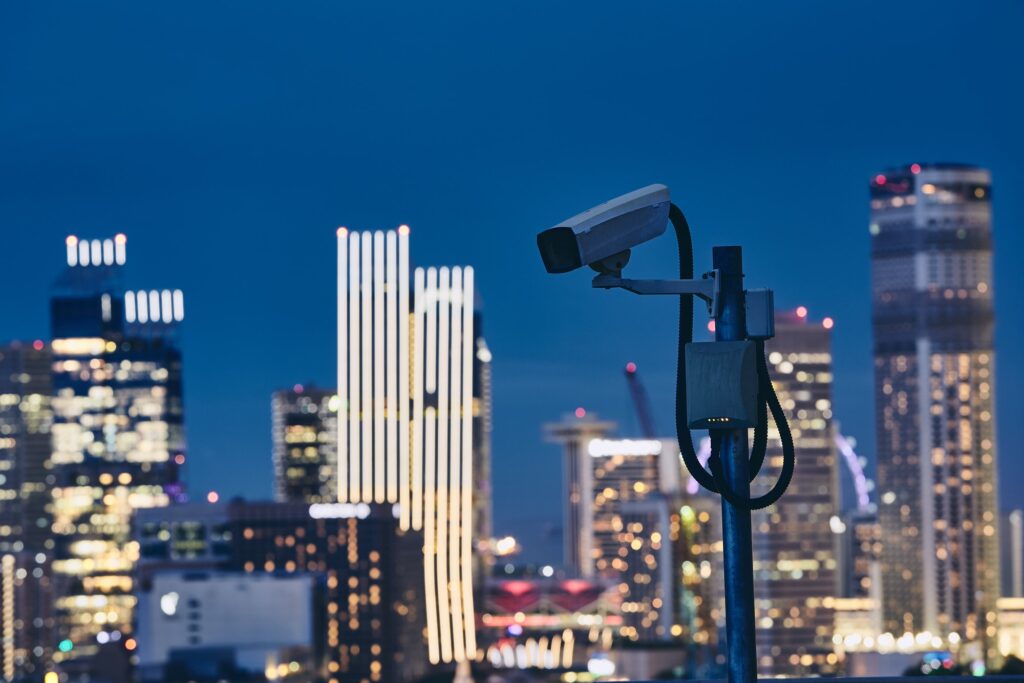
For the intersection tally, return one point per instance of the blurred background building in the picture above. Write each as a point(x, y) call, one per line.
point(934, 395)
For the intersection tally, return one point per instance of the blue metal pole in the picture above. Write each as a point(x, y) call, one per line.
point(731, 325)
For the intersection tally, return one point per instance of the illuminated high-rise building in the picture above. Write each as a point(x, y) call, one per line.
point(931, 246)
point(621, 515)
point(369, 616)
point(414, 418)
point(305, 425)
point(26, 618)
point(795, 570)
point(118, 437)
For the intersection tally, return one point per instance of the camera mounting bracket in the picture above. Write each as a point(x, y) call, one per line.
point(706, 288)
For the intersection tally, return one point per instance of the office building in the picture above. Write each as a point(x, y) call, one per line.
point(219, 625)
point(794, 546)
point(117, 438)
point(414, 418)
point(305, 431)
point(621, 497)
point(931, 246)
point(369, 616)
point(26, 627)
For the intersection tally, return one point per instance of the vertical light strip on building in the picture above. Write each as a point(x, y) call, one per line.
point(72, 246)
point(120, 249)
point(366, 352)
point(403, 377)
point(431, 327)
point(466, 486)
point(391, 294)
point(443, 455)
point(429, 547)
point(455, 499)
point(379, 346)
point(342, 365)
point(419, 302)
point(353, 368)
point(129, 306)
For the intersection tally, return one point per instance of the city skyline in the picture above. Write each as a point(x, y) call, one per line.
point(240, 230)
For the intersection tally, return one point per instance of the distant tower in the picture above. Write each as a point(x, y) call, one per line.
point(118, 435)
point(26, 599)
point(305, 430)
point(1012, 550)
point(794, 547)
point(931, 249)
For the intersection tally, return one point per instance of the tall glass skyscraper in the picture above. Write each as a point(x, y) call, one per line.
point(118, 437)
point(931, 246)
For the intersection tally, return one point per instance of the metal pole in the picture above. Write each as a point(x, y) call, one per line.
point(731, 325)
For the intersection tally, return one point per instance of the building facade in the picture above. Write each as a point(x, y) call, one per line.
point(795, 569)
point(369, 618)
point(933, 317)
point(118, 439)
point(305, 432)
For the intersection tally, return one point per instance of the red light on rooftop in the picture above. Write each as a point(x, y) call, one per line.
point(879, 179)
point(801, 311)
point(38, 345)
point(298, 388)
point(915, 168)
point(631, 367)
point(828, 323)
point(179, 459)
point(711, 326)
point(581, 412)
point(212, 497)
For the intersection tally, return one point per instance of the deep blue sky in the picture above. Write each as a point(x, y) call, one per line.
point(228, 140)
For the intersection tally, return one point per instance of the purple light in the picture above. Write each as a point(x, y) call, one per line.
point(703, 453)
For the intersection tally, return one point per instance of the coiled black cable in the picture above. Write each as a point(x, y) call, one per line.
point(766, 400)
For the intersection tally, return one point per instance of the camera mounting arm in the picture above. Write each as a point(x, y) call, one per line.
point(705, 288)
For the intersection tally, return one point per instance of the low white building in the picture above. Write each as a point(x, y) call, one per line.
point(258, 622)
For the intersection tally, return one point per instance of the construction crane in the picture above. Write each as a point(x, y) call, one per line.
point(640, 402)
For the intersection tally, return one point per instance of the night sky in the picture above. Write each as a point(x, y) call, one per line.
point(228, 141)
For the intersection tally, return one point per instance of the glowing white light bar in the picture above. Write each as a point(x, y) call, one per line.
point(378, 368)
point(443, 486)
point(604, 447)
point(120, 243)
point(469, 623)
point(339, 510)
point(391, 363)
point(456, 530)
point(366, 351)
point(72, 248)
point(419, 303)
point(353, 390)
point(108, 252)
point(429, 547)
point(403, 376)
point(96, 252)
point(105, 307)
point(154, 305)
point(178, 301)
point(166, 308)
point(7, 574)
point(142, 301)
point(129, 306)
point(431, 328)
point(83, 252)
point(342, 440)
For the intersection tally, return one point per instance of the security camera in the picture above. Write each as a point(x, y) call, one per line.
point(601, 237)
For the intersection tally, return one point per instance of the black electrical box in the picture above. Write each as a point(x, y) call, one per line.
point(721, 385)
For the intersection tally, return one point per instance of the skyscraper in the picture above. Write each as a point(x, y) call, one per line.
point(931, 247)
point(794, 547)
point(26, 627)
point(305, 425)
point(118, 436)
point(414, 417)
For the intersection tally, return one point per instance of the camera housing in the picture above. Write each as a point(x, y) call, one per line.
point(606, 232)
